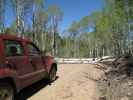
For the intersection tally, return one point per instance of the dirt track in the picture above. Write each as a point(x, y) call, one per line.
point(75, 82)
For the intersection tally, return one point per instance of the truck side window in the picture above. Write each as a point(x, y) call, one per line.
point(13, 48)
point(33, 50)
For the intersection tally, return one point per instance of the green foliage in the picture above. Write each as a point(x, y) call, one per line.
point(39, 2)
point(110, 34)
point(74, 28)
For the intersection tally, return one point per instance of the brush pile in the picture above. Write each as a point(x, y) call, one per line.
point(117, 82)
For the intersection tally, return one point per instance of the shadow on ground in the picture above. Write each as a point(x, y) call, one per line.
point(33, 89)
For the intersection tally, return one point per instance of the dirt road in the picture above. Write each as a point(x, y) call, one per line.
point(75, 82)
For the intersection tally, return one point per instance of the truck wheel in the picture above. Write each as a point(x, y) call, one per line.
point(52, 74)
point(6, 92)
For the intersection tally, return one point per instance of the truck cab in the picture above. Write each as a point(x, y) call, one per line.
point(22, 64)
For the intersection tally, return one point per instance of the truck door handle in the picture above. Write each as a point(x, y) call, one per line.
point(33, 64)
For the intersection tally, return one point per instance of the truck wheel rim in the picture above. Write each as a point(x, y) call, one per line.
point(6, 94)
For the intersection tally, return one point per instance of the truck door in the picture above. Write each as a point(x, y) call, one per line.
point(17, 60)
point(36, 61)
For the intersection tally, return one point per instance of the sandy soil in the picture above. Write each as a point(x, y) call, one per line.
point(75, 82)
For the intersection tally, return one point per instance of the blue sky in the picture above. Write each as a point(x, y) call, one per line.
point(74, 10)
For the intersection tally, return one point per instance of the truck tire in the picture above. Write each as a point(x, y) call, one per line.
point(6, 92)
point(52, 74)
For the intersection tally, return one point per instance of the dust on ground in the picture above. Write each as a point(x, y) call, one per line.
point(75, 82)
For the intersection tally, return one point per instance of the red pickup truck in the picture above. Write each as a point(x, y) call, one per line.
point(22, 64)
